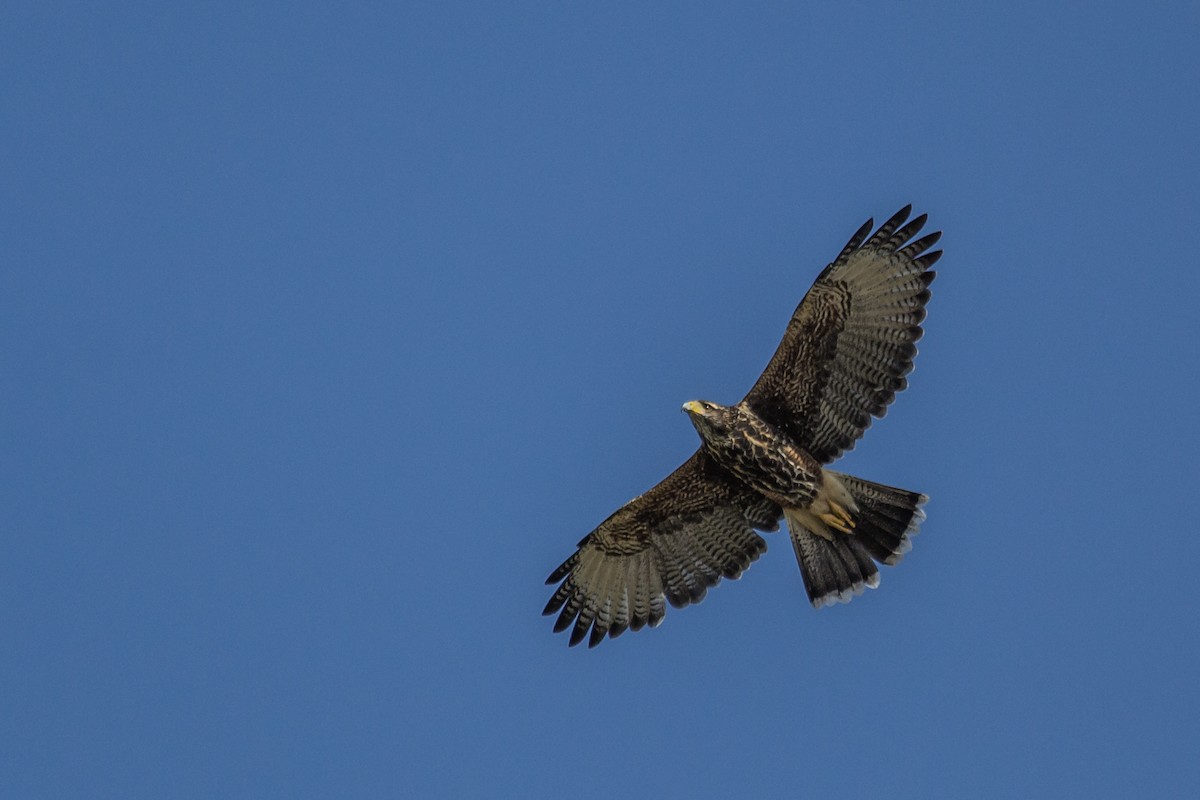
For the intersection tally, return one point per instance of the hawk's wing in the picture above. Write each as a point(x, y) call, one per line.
point(672, 542)
point(852, 339)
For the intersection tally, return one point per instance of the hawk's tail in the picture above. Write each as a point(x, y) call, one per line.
point(838, 566)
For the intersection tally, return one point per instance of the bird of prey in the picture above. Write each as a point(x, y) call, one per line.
point(843, 358)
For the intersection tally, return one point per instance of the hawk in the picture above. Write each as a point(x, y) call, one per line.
point(843, 358)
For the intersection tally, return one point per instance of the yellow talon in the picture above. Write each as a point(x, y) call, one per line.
point(835, 522)
point(842, 513)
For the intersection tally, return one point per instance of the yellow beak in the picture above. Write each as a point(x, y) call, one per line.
point(693, 407)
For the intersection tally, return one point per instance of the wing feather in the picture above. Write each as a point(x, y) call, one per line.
point(671, 544)
point(851, 340)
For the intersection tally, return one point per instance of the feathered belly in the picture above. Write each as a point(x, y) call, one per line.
point(776, 469)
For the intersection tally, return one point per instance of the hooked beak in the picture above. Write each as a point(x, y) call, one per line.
point(693, 407)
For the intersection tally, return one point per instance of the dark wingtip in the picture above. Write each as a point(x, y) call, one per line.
point(855, 242)
point(897, 219)
point(564, 621)
point(863, 232)
point(929, 240)
point(597, 636)
point(561, 571)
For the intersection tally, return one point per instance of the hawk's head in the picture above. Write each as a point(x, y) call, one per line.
point(713, 421)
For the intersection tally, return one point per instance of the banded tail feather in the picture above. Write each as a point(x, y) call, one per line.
point(836, 566)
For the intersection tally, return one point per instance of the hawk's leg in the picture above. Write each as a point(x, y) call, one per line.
point(838, 517)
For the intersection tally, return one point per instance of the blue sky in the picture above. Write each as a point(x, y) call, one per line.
point(327, 332)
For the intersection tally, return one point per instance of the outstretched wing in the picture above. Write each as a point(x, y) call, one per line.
point(673, 542)
point(851, 340)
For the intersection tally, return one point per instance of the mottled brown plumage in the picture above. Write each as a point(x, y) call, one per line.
point(844, 356)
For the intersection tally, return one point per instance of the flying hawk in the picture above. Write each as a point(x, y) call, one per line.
point(843, 357)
